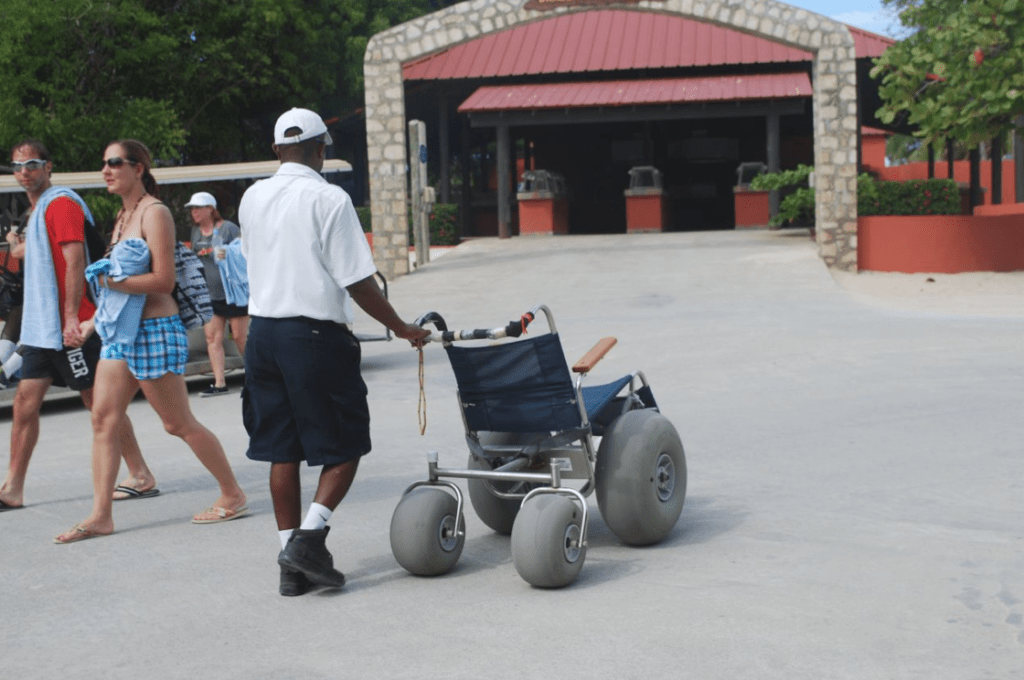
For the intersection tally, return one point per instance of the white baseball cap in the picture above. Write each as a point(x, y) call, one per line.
point(310, 123)
point(202, 200)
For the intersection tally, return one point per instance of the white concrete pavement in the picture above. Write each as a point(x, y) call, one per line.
point(854, 505)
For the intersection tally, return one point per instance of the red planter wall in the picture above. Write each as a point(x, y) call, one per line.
point(943, 244)
point(645, 213)
point(752, 208)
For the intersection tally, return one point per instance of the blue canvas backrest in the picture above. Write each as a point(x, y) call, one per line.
point(522, 386)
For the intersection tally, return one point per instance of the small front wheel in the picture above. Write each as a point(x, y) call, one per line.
point(426, 536)
point(548, 545)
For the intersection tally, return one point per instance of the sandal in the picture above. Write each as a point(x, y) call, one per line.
point(131, 492)
point(75, 534)
point(219, 515)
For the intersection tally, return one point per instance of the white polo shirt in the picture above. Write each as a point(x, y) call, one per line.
point(303, 244)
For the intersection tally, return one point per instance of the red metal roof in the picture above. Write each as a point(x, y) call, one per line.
point(611, 40)
point(631, 92)
point(867, 44)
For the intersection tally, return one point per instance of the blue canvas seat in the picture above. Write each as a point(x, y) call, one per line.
point(526, 387)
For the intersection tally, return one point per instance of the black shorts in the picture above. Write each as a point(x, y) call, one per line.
point(73, 367)
point(304, 396)
point(222, 309)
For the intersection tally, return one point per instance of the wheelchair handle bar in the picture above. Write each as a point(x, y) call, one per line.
point(513, 329)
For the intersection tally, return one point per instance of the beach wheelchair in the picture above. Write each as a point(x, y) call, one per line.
point(531, 429)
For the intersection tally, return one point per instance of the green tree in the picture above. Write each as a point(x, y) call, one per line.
point(959, 75)
point(199, 81)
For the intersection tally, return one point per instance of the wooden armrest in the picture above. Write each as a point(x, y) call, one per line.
point(595, 354)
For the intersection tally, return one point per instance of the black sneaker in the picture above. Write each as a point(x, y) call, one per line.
point(306, 552)
point(213, 391)
point(293, 583)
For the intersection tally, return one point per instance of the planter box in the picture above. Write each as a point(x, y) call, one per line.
point(645, 210)
point(752, 208)
point(942, 244)
point(542, 212)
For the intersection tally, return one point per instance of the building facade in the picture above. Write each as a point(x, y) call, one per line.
point(590, 89)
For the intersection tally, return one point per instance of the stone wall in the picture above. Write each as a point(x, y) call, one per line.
point(835, 103)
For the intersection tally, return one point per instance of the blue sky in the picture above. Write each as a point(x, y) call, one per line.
point(866, 14)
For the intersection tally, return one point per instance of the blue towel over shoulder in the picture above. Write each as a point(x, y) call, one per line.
point(40, 324)
point(234, 275)
point(118, 315)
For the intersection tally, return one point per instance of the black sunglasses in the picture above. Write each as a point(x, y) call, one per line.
point(115, 162)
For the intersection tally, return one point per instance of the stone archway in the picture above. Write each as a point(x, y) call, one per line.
point(835, 101)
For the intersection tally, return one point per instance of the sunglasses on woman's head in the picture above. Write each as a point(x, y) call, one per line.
point(31, 164)
point(115, 162)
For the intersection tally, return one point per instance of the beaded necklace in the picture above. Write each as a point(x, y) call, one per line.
point(119, 223)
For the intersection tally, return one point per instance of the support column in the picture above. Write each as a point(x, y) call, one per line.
point(931, 161)
point(774, 143)
point(466, 193)
point(949, 159)
point(1018, 161)
point(975, 159)
point(504, 183)
point(997, 169)
point(444, 152)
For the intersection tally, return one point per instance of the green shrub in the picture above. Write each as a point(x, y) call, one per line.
point(444, 225)
point(913, 197)
point(773, 181)
point(798, 204)
point(874, 197)
point(104, 208)
point(364, 218)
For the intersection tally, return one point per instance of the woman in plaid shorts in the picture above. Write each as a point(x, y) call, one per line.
point(151, 353)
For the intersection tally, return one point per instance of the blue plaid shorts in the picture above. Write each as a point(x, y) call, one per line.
point(160, 347)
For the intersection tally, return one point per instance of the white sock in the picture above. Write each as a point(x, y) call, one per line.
point(316, 518)
point(285, 535)
point(6, 350)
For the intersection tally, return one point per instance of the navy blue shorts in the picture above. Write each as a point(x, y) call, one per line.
point(69, 367)
point(304, 395)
